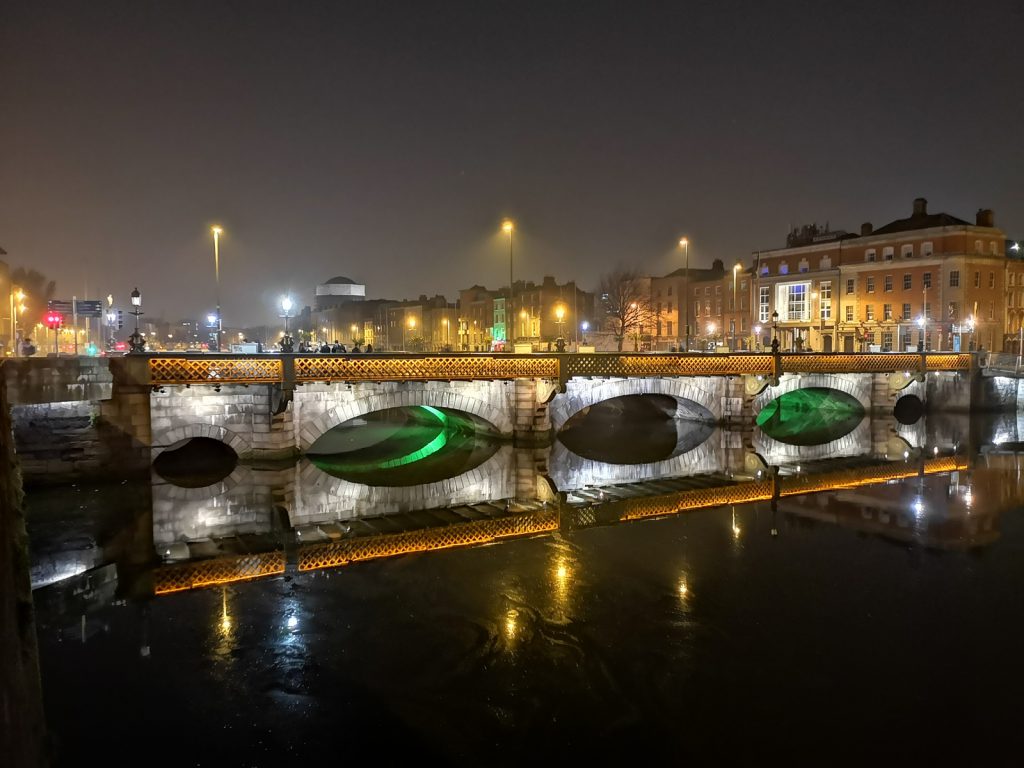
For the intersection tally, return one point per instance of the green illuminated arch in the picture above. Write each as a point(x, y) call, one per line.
point(811, 416)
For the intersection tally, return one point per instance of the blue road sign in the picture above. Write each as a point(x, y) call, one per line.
point(89, 308)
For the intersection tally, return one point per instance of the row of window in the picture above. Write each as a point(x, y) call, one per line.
point(952, 312)
point(871, 254)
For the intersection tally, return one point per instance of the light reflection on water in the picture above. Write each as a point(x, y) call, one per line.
point(604, 629)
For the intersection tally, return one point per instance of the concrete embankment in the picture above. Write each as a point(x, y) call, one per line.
point(22, 723)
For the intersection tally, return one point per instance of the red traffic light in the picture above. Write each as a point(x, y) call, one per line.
point(53, 320)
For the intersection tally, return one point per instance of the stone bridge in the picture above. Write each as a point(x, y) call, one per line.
point(80, 416)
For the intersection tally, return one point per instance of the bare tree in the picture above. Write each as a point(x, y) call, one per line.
point(626, 301)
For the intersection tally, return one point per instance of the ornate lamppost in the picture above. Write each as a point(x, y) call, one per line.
point(136, 342)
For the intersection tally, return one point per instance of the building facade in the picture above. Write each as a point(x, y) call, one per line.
point(928, 280)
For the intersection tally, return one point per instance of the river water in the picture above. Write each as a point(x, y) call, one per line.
point(644, 588)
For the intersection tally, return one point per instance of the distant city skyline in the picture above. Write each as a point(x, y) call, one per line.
point(388, 143)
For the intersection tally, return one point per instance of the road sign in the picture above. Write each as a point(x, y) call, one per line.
point(60, 305)
point(89, 308)
point(120, 319)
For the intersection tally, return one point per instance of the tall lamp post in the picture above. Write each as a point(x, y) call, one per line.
point(17, 308)
point(135, 342)
point(775, 331)
point(217, 231)
point(584, 326)
point(447, 336)
point(559, 317)
point(735, 307)
point(508, 227)
point(685, 243)
point(412, 327)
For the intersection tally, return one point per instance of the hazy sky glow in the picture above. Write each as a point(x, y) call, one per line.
point(386, 141)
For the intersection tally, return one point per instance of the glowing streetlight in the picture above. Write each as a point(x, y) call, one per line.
point(735, 307)
point(286, 310)
point(508, 227)
point(217, 231)
point(136, 341)
point(684, 243)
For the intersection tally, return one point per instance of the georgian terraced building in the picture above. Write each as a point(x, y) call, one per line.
point(930, 279)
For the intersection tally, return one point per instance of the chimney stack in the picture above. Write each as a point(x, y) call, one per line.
point(985, 218)
point(866, 229)
point(920, 206)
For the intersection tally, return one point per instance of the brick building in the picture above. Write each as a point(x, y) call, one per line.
point(928, 278)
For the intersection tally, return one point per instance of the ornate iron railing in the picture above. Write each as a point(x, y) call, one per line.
point(424, 367)
point(665, 365)
point(215, 370)
point(346, 368)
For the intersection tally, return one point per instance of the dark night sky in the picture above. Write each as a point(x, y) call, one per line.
point(386, 141)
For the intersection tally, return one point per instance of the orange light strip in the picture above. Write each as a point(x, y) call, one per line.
point(428, 540)
point(221, 570)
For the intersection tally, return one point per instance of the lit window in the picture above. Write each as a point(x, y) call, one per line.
point(869, 311)
point(849, 313)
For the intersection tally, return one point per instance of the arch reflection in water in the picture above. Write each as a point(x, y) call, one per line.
point(811, 416)
point(405, 446)
point(635, 429)
point(197, 463)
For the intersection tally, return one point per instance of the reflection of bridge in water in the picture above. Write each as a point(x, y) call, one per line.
point(365, 538)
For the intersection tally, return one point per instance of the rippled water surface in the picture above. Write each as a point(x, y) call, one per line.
point(698, 601)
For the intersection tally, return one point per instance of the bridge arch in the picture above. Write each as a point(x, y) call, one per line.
point(703, 391)
point(857, 385)
point(489, 401)
point(174, 437)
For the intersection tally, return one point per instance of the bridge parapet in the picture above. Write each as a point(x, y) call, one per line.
point(275, 368)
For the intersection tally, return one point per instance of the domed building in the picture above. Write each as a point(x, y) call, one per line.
point(337, 291)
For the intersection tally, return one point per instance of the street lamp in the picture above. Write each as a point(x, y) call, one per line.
point(636, 327)
point(757, 337)
point(286, 311)
point(775, 331)
point(970, 328)
point(522, 316)
point(216, 272)
point(685, 243)
point(136, 342)
point(508, 227)
point(735, 308)
point(412, 327)
point(584, 326)
point(559, 317)
point(711, 333)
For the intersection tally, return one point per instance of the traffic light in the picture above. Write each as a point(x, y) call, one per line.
point(53, 319)
point(120, 319)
